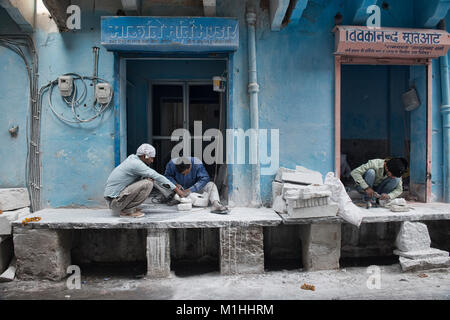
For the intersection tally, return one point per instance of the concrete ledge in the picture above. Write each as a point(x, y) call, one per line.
point(104, 219)
point(418, 212)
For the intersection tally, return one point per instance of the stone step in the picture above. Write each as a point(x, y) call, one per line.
point(422, 254)
point(424, 264)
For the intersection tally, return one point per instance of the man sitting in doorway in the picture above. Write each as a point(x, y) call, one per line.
point(130, 183)
point(190, 175)
point(380, 176)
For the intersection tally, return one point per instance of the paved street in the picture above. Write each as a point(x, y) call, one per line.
point(344, 284)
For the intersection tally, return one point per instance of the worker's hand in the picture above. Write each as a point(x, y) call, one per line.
point(179, 192)
point(186, 192)
point(179, 186)
point(150, 179)
point(369, 191)
point(384, 196)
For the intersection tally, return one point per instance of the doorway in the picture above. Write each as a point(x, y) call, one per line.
point(165, 94)
point(409, 133)
point(374, 122)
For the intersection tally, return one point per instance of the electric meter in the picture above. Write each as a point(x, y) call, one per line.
point(65, 85)
point(103, 93)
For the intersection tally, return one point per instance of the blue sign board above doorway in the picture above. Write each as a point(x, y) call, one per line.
point(170, 34)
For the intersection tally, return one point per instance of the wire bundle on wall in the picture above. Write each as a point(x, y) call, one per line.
point(74, 100)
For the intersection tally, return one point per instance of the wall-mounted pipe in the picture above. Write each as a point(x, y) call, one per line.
point(253, 90)
point(445, 111)
point(94, 81)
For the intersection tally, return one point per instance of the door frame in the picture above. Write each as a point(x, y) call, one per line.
point(339, 60)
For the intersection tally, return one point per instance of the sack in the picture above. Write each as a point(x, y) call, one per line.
point(347, 209)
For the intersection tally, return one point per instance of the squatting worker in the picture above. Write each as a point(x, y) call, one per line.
point(190, 175)
point(130, 183)
point(381, 176)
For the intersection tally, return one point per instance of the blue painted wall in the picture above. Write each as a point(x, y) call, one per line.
point(296, 79)
point(14, 105)
point(76, 159)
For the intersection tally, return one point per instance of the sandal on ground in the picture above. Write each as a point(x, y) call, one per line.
point(137, 214)
point(219, 208)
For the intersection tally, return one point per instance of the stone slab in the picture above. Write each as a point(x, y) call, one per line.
point(424, 264)
point(6, 218)
point(14, 198)
point(277, 188)
point(155, 217)
point(280, 172)
point(279, 205)
point(422, 254)
point(413, 236)
point(21, 213)
point(313, 212)
point(9, 274)
point(302, 177)
point(305, 203)
point(418, 212)
point(287, 187)
point(241, 250)
point(308, 192)
point(395, 208)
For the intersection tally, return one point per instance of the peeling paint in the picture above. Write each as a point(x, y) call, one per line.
point(61, 154)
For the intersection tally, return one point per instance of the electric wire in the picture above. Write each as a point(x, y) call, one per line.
point(76, 101)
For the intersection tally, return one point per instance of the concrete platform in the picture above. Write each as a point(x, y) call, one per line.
point(321, 236)
point(43, 248)
point(418, 212)
point(156, 216)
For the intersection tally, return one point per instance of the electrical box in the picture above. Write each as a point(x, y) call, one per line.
point(65, 85)
point(219, 84)
point(103, 93)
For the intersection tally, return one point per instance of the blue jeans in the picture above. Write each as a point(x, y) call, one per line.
point(386, 186)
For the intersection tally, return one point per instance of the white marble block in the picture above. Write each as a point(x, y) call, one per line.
point(313, 212)
point(14, 198)
point(413, 236)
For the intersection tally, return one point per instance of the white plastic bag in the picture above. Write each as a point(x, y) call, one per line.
point(347, 209)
